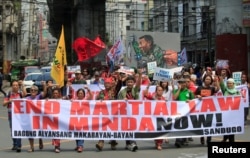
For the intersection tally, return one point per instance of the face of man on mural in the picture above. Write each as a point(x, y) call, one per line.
point(144, 45)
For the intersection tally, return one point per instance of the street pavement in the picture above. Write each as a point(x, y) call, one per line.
point(146, 148)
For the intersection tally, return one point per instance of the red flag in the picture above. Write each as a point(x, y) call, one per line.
point(85, 48)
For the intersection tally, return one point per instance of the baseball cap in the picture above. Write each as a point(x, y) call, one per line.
point(77, 72)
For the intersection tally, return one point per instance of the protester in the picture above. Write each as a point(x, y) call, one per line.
point(17, 91)
point(86, 75)
point(78, 79)
point(35, 96)
point(204, 91)
point(167, 90)
point(228, 90)
point(131, 92)
point(244, 81)
point(80, 95)
point(97, 78)
point(56, 94)
point(108, 93)
point(182, 94)
point(158, 96)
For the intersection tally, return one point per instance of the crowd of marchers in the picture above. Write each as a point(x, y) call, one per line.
point(192, 82)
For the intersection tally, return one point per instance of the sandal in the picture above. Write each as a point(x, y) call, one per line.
point(57, 150)
point(30, 150)
point(159, 147)
point(80, 149)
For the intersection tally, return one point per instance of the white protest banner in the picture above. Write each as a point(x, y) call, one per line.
point(176, 69)
point(73, 68)
point(126, 70)
point(162, 74)
point(123, 120)
point(151, 67)
point(237, 77)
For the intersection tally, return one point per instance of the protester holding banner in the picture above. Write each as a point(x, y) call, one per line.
point(167, 90)
point(204, 91)
point(131, 92)
point(157, 96)
point(244, 82)
point(56, 94)
point(228, 90)
point(108, 93)
point(35, 96)
point(80, 95)
point(182, 94)
point(17, 91)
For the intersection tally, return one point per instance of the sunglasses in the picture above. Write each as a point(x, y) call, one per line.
point(33, 90)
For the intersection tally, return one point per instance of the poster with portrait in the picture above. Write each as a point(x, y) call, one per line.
point(143, 47)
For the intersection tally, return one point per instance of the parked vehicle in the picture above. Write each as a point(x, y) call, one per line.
point(30, 79)
point(43, 77)
point(45, 69)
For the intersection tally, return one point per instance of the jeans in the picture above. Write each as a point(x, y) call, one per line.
point(17, 142)
point(79, 143)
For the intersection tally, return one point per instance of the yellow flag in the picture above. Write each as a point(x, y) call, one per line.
point(59, 61)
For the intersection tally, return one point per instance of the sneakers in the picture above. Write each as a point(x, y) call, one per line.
point(177, 144)
point(14, 148)
point(113, 144)
point(100, 145)
point(132, 147)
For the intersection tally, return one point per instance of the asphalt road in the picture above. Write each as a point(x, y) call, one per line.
point(146, 148)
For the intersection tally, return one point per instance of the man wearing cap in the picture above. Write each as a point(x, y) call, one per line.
point(78, 78)
point(182, 94)
point(97, 79)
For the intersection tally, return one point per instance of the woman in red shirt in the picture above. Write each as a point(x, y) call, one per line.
point(157, 96)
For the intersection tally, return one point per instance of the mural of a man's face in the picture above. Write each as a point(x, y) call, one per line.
point(144, 45)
